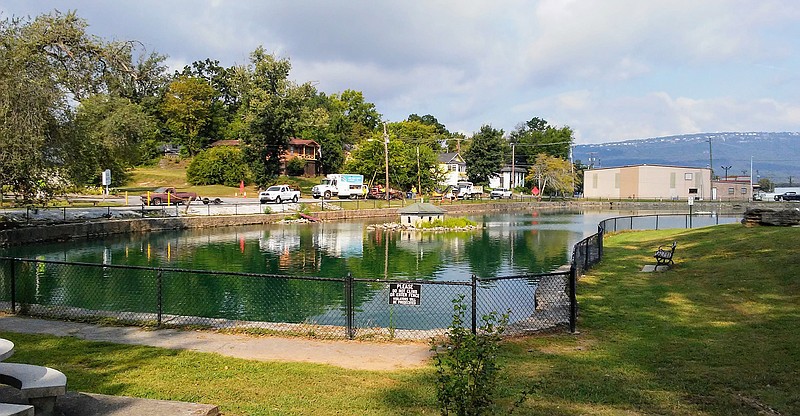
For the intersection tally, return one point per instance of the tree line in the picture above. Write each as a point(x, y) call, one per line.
point(73, 104)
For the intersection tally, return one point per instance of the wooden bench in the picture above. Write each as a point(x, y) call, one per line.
point(665, 256)
point(40, 386)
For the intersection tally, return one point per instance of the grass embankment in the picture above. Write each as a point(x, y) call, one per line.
point(716, 335)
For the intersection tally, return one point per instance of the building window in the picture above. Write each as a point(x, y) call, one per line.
point(672, 180)
point(693, 191)
point(731, 191)
point(688, 176)
point(744, 191)
point(594, 181)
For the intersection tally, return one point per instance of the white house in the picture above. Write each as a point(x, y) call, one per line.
point(453, 167)
point(507, 179)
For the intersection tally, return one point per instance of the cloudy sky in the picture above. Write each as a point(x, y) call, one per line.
point(610, 69)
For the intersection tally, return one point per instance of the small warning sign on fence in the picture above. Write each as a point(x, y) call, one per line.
point(404, 294)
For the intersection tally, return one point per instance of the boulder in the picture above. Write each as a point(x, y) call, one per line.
point(762, 216)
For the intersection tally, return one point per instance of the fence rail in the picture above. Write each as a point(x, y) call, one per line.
point(316, 306)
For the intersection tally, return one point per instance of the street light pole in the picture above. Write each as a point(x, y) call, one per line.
point(386, 160)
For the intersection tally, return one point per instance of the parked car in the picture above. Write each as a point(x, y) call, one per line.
point(788, 196)
point(168, 195)
point(279, 194)
point(500, 193)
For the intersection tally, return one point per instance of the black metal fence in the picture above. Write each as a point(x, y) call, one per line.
point(323, 307)
point(320, 307)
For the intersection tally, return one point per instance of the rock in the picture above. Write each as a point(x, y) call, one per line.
point(761, 216)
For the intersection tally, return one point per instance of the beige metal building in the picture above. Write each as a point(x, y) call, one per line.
point(647, 182)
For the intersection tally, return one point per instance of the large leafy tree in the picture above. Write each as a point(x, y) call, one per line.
point(486, 155)
point(552, 175)
point(410, 165)
point(46, 65)
point(188, 108)
point(109, 132)
point(536, 136)
point(273, 108)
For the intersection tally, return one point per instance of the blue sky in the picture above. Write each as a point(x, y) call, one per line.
point(611, 70)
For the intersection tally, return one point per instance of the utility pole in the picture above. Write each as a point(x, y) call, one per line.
point(386, 153)
point(513, 170)
point(710, 159)
point(419, 175)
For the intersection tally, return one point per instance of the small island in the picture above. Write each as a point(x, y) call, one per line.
point(449, 224)
point(423, 216)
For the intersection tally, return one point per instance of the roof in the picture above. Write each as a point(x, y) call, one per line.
point(303, 142)
point(421, 208)
point(225, 143)
point(647, 165)
point(450, 158)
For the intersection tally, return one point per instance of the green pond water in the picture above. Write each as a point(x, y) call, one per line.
point(507, 244)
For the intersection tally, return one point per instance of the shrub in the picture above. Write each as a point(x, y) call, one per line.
point(448, 223)
point(218, 166)
point(466, 363)
point(296, 166)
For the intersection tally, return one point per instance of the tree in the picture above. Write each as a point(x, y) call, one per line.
point(552, 174)
point(188, 106)
point(223, 165)
point(535, 136)
point(46, 64)
point(409, 165)
point(109, 134)
point(486, 155)
point(272, 108)
point(766, 185)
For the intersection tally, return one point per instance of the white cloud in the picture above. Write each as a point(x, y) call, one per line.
point(611, 70)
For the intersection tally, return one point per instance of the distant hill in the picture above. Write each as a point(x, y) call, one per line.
point(775, 155)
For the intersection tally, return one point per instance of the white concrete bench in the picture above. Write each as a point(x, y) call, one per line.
point(39, 385)
point(15, 410)
point(6, 350)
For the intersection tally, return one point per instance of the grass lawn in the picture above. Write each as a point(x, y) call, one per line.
point(716, 335)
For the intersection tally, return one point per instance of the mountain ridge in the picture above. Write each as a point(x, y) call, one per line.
point(774, 155)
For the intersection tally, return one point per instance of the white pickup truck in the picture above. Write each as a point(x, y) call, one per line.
point(279, 194)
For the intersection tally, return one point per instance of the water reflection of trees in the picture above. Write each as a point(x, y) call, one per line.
point(507, 245)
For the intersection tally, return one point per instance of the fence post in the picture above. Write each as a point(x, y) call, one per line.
point(586, 255)
point(13, 288)
point(573, 300)
point(348, 295)
point(474, 304)
point(656, 222)
point(160, 296)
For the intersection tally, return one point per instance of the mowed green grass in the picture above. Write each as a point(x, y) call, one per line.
point(719, 334)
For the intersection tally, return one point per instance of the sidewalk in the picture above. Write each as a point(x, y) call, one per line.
point(355, 355)
point(347, 354)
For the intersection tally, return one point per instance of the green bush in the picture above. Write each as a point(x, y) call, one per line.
point(296, 166)
point(466, 363)
point(448, 223)
point(222, 165)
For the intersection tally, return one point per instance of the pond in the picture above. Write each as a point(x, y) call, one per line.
point(507, 244)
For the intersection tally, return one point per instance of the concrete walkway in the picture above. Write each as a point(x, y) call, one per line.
point(355, 355)
point(347, 354)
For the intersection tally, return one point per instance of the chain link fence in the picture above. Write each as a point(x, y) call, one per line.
point(317, 307)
